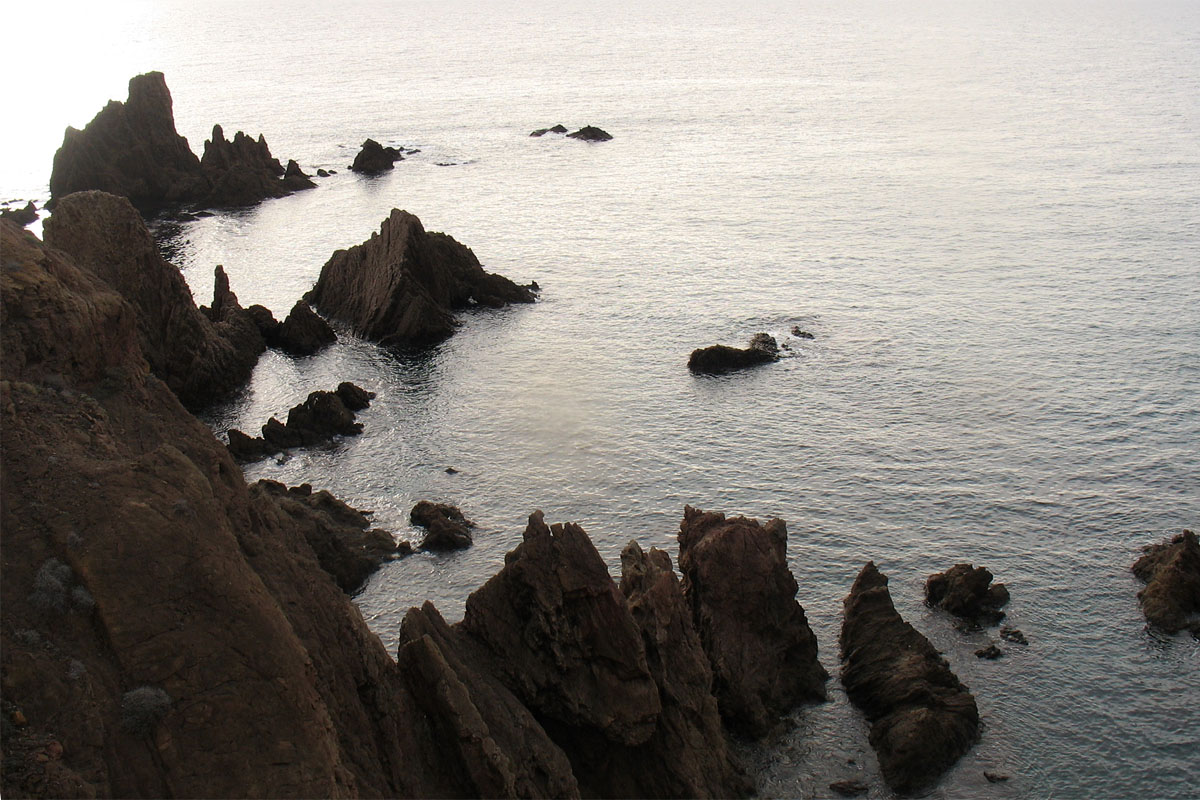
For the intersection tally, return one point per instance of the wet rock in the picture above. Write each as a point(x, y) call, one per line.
point(1013, 635)
point(446, 527)
point(322, 416)
point(401, 286)
point(374, 158)
point(743, 603)
point(322, 173)
point(719, 358)
point(991, 652)
point(563, 639)
point(1171, 571)
point(544, 131)
point(302, 332)
point(199, 358)
point(243, 172)
point(590, 133)
point(21, 216)
point(967, 592)
point(995, 777)
point(849, 788)
point(801, 334)
point(922, 718)
point(295, 179)
point(354, 397)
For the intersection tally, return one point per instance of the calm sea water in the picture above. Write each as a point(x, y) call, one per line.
point(987, 213)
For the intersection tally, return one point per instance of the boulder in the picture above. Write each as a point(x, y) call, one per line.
point(1171, 572)
point(718, 358)
point(401, 286)
point(302, 332)
point(922, 718)
point(967, 592)
point(374, 158)
point(447, 528)
point(743, 603)
point(589, 133)
point(563, 639)
point(21, 216)
point(200, 359)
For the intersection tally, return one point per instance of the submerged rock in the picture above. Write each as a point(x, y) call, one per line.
point(743, 602)
point(401, 286)
point(544, 131)
point(719, 358)
point(1171, 571)
point(967, 592)
point(922, 718)
point(374, 158)
point(590, 133)
point(446, 527)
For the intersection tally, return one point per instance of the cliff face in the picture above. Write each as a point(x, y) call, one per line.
point(401, 286)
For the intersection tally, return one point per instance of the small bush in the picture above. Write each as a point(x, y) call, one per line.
point(142, 709)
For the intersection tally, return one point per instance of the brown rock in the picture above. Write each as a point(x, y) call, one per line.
point(21, 216)
point(303, 333)
point(242, 171)
point(718, 358)
point(401, 285)
point(1171, 571)
point(743, 601)
point(322, 416)
point(590, 133)
point(374, 158)
point(922, 719)
point(967, 592)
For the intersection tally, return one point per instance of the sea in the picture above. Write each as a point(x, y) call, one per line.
point(985, 212)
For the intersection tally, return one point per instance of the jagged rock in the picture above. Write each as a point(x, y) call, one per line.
point(719, 358)
point(354, 397)
point(200, 360)
point(21, 216)
point(1171, 571)
point(131, 149)
point(589, 133)
point(243, 172)
point(743, 602)
point(1013, 635)
point(489, 745)
point(967, 592)
point(340, 535)
point(316, 421)
point(447, 528)
point(374, 158)
point(401, 285)
point(922, 718)
point(563, 639)
point(302, 332)
point(322, 173)
point(265, 321)
point(295, 178)
point(233, 323)
point(544, 131)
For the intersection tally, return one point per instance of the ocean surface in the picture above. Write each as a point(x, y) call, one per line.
point(986, 213)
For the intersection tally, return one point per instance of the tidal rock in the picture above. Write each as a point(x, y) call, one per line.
point(322, 416)
point(322, 173)
point(354, 397)
point(302, 332)
point(743, 602)
point(719, 358)
point(488, 742)
point(589, 133)
point(131, 149)
point(1013, 635)
point(446, 527)
point(967, 592)
point(401, 286)
point(374, 158)
point(295, 179)
point(242, 171)
point(922, 718)
point(21, 216)
point(991, 652)
point(199, 359)
point(801, 334)
point(340, 535)
point(1171, 571)
point(563, 639)
point(544, 131)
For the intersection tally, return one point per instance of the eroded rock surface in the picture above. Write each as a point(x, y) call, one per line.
point(402, 285)
point(241, 171)
point(446, 527)
point(719, 358)
point(1171, 570)
point(374, 158)
point(922, 718)
point(743, 602)
point(967, 592)
point(322, 416)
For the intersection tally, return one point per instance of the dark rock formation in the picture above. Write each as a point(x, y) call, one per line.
point(374, 158)
point(131, 149)
point(295, 178)
point(991, 652)
point(446, 527)
point(233, 323)
point(801, 334)
point(922, 719)
point(967, 592)
point(340, 536)
point(322, 416)
point(1013, 635)
point(719, 358)
point(401, 285)
point(302, 332)
point(21, 216)
point(1171, 571)
point(589, 133)
point(200, 359)
point(743, 602)
point(544, 131)
point(849, 788)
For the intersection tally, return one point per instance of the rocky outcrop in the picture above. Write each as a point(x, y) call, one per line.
point(131, 149)
point(401, 286)
point(967, 592)
point(590, 133)
point(322, 416)
point(374, 158)
point(446, 527)
point(922, 718)
point(544, 131)
point(199, 358)
point(1171, 571)
point(340, 536)
point(719, 358)
point(21, 216)
point(302, 332)
point(743, 602)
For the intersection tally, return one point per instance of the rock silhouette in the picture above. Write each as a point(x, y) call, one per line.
point(1171, 571)
point(590, 133)
point(967, 592)
point(24, 216)
point(374, 158)
point(322, 416)
point(719, 358)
